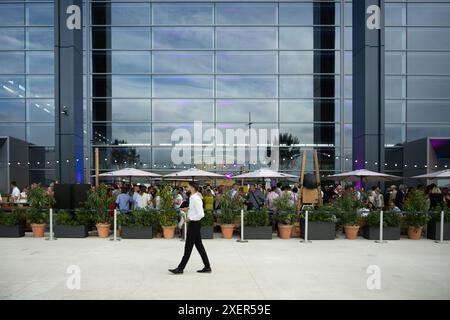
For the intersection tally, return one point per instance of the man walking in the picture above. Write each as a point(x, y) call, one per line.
point(194, 214)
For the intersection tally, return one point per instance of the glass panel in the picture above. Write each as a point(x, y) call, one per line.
point(121, 133)
point(121, 38)
point(44, 177)
point(429, 63)
point(348, 14)
point(40, 110)
point(395, 111)
point(395, 87)
point(348, 62)
point(429, 38)
point(395, 14)
point(40, 86)
point(395, 38)
point(307, 62)
point(121, 109)
point(12, 62)
point(183, 87)
point(122, 86)
point(348, 111)
point(428, 111)
point(121, 62)
point(309, 14)
point(118, 157)
point(12, 110)
point(246, 87)
point(41, 158)
point(183, 38)
point(41, 134)
point(11, 14)
point(307, 38)
point(430, 14)
point(246, 13)
point(12, 38)
point(15, 130)
point(12, 86)
point(238, 110)
point(40, 14)
point(246, 62)
point(309, 86)
point(248, 38)
point(183, 62)
point(183, 110)
point(162, 133)
point(182, 14)
point(395, 62)
point(40, 38)
point(348, 38)
point(40, 62)
point(348, 87)
point(394, 134)
point(428, 87)
point(309, 110)
point(121, 14)
point(310, 133)
point(415, 132)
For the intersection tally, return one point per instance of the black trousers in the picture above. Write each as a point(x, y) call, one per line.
point(193, 238)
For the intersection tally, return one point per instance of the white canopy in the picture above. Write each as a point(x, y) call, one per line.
point(129, 172)
point(264, 173)
point(363, 175)
point(193, 173)
point(443, 174)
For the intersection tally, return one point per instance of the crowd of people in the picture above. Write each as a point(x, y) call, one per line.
point(254, 196)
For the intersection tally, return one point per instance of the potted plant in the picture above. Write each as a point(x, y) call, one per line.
point(284, 215)
point(391, 225)
point(207, 229)
point(229, 210)
point(321, 223)
point(416, 217)
point(434, 225)
point(351, 221)
point(98, 201)
point(11, 224)
point(346, 208)
point(137, 224)
point(72, 225)
point(40, 201)
point(168, 216)
point(257, 225)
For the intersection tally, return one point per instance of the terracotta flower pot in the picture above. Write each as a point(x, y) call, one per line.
point(227, 230)
point(103, 229)
point(351, 232)
point(38, 229)
point(414, 234)
point(168, 232)
point(285, 230)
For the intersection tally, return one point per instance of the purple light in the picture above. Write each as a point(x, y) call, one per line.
point(228, 176)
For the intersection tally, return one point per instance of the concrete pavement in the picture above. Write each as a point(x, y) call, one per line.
point(32, 268)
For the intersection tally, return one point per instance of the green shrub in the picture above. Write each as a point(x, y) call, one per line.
point(165, 194)
point(416, 201)
point(286, 217)
point(80, 217)
point(98, 201)
point(37, 216)
point(415, 219)
point(227, 216)
point(324, 213)
point(208, 219)
point(12, 219)
point(168, 218)
point(436, 216)
point(283, 203)
point(83, 217)
point(64, 217)
point(256, 218)
point(138, 218)
point(390, 219)
point(351, 218)
point(39, 199)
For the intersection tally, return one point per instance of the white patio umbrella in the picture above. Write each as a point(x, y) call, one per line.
point(129, 173)
point(264, 173)
point(193, 174)
point(363, 175)
point(443, 174)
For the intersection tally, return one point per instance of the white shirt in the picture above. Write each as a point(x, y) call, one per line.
point(195, 212)
point(16, 194)
point(142, 200)
point(178, 201)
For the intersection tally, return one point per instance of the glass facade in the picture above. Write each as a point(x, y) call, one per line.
point(151, 67)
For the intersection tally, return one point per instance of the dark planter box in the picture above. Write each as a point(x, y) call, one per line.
point(12, 231)
point(137, 233)
point(389, 233)
point(65, 231)
point(207, 232)
point(434, 230)
point(319, 230)
point(255, 233)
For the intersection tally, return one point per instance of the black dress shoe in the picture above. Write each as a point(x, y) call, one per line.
point(205, 270)
point(176, 271)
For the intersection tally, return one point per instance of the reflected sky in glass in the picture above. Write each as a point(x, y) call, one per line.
point(40, 62)
point(248, 38)
point(40, 38)
point(40, 110)
point(12, 38)
point(183, 87)
point(183, 110)
point(246, 13)
point(238, 110)
point(183, 38)
point(182, 14)
point(12, 110)
point(11, 62)
point(246, 62)
point(247, 87)
point(183, 62)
